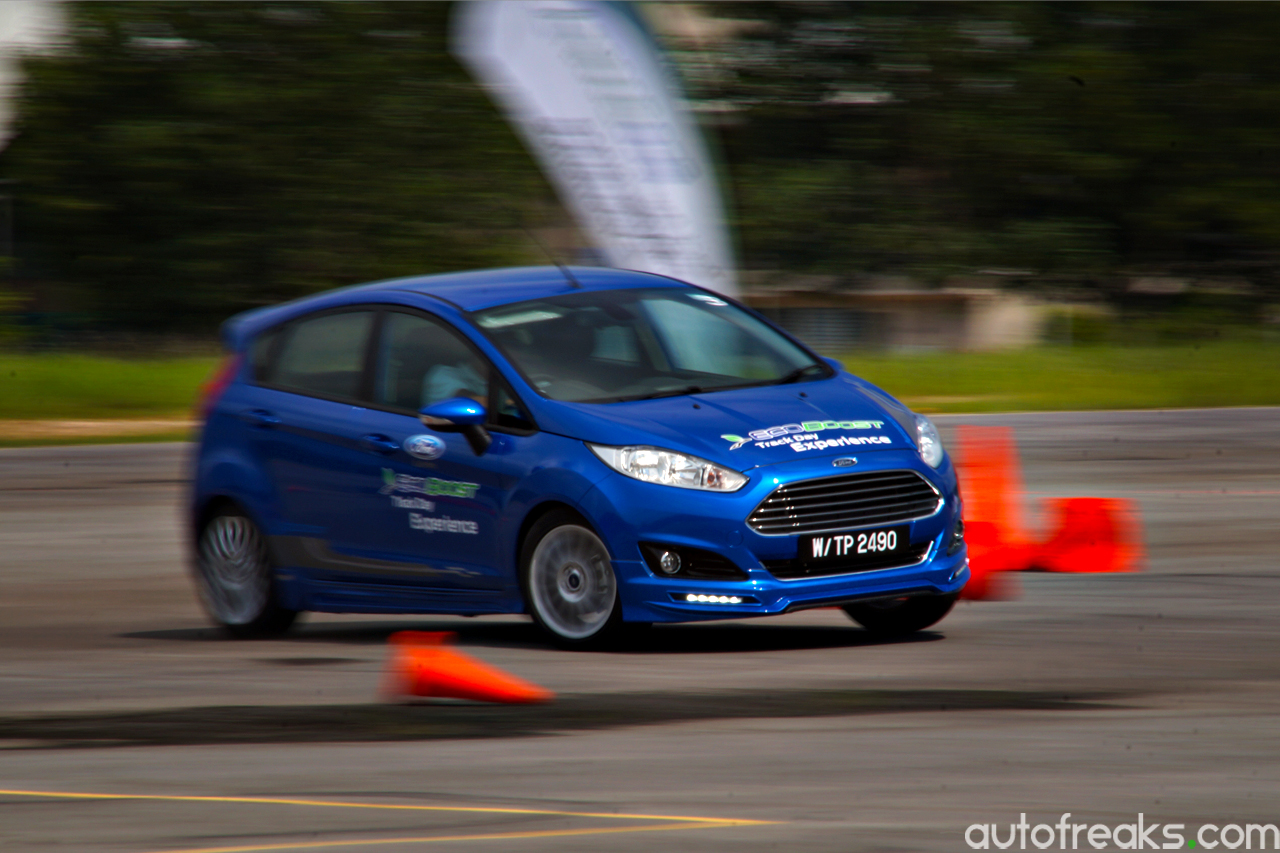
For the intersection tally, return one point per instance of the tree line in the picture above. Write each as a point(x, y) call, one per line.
point(176, 162)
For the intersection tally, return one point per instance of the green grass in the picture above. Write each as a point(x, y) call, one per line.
point(1219, 373)
point(74, 387)
point(68, 440)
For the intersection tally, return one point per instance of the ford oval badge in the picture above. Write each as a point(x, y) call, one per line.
point(424, 447)
point(844, 461)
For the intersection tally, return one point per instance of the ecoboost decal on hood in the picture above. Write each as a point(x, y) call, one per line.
point(804, 436)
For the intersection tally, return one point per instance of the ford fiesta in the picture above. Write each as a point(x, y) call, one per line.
point(591, 447)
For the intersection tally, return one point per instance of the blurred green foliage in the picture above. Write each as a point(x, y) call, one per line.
point(1073, 325)
point(1077, 139)
point(179, 161)
point(11, 332)
point(176, 162)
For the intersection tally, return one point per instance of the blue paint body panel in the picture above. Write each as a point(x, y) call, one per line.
point(380, 529)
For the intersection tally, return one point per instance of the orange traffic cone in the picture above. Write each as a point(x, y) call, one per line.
point(1087, 534)
point(1091, 535)
point(987, 464)
point(423, 664)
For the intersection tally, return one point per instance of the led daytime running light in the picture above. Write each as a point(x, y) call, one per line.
point(698, 598)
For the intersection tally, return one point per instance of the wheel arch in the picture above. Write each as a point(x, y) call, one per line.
point(547, 518)
point(537, 512)
point(212, 504)
point(227, 475)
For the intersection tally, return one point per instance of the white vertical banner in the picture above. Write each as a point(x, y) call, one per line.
point(585, 86)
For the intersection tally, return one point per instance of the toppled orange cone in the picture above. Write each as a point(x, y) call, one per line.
point(1086, 534)
point(1091, 535)
point(423, 664)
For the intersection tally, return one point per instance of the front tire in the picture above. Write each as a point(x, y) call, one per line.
point(568, 581)
point(234, 576)
point(896, 617)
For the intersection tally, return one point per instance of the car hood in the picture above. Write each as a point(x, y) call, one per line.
point(747, 427)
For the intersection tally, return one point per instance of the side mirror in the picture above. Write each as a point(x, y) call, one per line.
point(459, 414)
point(834, 362)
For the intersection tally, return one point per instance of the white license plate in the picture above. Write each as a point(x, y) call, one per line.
point(855, 546)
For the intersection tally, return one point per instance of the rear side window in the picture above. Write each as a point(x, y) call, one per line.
point(323, 356)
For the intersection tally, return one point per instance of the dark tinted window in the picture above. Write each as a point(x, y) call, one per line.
point(261, 352)
point(507, 411)
point(323, 355)
point(421, 362)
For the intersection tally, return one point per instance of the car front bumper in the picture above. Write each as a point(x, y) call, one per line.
point(627, 512)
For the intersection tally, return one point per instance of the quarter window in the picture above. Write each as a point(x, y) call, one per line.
point(260, 354)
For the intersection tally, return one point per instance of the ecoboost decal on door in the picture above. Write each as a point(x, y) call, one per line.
point(434, 486)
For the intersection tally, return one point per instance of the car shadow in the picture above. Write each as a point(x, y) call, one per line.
point(739, 637)
point(704, 638)
point(436, 720)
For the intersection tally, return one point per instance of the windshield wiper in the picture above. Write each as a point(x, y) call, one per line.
point(798, 374)
point(669, 392)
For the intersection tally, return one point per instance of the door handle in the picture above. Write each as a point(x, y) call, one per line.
point(260, 418)
point(379, 443)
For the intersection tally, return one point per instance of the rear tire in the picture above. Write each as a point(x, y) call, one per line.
point(235, 578)
point(896, 617)
point(568, 582)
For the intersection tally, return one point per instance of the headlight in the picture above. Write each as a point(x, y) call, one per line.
point(668, 468)
point(928, 441)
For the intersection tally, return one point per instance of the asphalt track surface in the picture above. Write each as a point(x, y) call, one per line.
point(1103, 696)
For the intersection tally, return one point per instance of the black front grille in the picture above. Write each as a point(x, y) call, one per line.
point(785, 570)
point(845, 502)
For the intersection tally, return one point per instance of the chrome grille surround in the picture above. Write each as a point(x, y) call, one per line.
point(846, 502)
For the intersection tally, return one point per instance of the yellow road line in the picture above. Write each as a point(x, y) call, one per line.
point(432, 839)
point(276, 801)
point(670, 821)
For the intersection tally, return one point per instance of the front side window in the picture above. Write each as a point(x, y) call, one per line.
point(421, 362)
point(506, 411)
point(322, 356)
point(608, 346)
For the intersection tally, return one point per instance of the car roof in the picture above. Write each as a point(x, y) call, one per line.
point(465, 291)
point(475, 291)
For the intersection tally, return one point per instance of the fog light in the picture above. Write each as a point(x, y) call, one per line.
point(669, 562)
point(957, 538)
point(698, 598)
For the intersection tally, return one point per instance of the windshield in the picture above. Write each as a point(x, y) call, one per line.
point(613, 345)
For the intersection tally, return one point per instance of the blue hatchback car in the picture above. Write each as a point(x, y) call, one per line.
point(592, 447)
